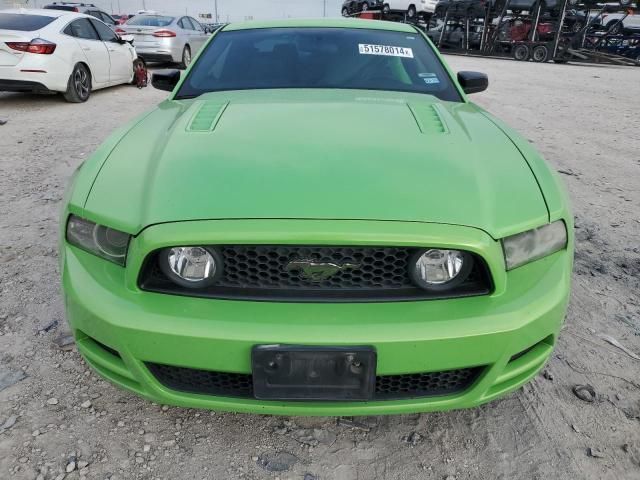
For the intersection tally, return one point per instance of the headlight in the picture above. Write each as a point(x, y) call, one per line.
point(534, 244)
point(98, 239)
point(191, 267)
point(436, 269)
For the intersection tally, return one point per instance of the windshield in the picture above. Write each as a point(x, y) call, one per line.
point(346, 58)
point(150, 21)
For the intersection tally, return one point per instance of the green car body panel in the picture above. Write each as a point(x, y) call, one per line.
point(320, 167)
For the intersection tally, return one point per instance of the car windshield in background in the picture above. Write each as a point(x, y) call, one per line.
point(66, 8)
point(23, 23)
point(150, 21)
point(319, 58)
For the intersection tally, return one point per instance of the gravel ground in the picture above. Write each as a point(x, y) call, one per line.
point(56, 416)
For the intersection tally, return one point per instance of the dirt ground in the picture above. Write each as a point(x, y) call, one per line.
point(57, 416)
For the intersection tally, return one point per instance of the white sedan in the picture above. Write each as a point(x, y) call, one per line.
point(412, 8)
point(60, 51)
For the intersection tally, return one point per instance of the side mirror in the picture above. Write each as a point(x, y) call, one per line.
point(473, 82)
point(165, 79)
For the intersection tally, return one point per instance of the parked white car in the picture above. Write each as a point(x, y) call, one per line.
point(412, 8)
point(165, 38)
point(59, 51)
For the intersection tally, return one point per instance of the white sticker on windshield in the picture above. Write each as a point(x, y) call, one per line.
point(388, 50)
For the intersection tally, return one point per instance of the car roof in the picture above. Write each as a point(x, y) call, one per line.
point(323, 22)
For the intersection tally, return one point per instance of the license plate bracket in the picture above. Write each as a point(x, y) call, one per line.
point(295, 372)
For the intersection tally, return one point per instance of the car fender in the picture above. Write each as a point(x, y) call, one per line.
point(77, 55)
point(70, 55)
point(551, 186)
point(88, 171)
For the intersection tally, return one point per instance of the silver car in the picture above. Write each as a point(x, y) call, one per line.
point(162, 38)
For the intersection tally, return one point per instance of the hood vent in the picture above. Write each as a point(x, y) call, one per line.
point(428, 118)
point(207, 117)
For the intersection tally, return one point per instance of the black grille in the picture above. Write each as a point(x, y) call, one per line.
point(425, 384)
point(262, 266)
point(270, 272)
point(388, 387)
point(223, 384)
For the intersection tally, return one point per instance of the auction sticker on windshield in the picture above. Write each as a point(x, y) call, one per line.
point(388, 50)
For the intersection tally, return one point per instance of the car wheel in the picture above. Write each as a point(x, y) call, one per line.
point(540, 53)
point(411, 12)
point(79, 85)
point(345, 12)
point(365, 7)
point(614, 27)
point(576, 27)
point(386, 9)
point(521, 52)
point(625, 3)
point(186, 57)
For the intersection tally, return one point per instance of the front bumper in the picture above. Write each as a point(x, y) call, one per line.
point(106, 308)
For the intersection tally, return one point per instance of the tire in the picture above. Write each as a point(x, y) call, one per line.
point(625, 3)
point(186, 57)
point(365, 7)
point(540, 53)
point(411, 12)
point(345, 12)
point(386, 9)
point(521, 52)
point(79, 85)
point(576, 27)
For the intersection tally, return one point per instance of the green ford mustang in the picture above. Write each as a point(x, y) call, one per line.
point(317, 221)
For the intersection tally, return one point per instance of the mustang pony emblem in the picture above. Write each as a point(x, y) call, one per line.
point(317, 271)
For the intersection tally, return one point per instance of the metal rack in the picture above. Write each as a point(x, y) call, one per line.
point(543, 33)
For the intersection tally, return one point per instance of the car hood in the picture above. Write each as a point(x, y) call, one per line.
point(317, 154)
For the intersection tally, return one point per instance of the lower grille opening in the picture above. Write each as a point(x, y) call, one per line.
point(429, 384)
point(105, 347)
point(548, 340)
point(388, 387)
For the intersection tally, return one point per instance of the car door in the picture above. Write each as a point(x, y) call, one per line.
point(120, 57)
point(399, 5)
point(92, 47)
point(188, 34)
point(200, 32)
